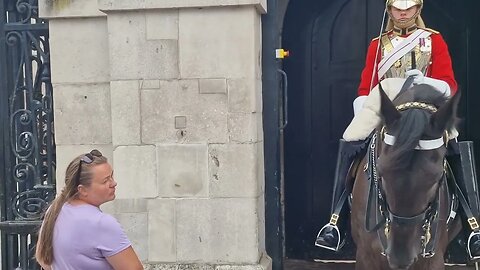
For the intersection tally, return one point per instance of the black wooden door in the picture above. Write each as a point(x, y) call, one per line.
point(328, 42)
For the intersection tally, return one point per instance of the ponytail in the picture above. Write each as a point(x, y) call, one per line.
point(44, 251)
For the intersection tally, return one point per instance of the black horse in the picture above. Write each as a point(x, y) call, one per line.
point(402, 194)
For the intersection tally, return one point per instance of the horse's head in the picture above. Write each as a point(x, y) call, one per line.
point(411, 167)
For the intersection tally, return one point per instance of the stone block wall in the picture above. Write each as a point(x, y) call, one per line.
point(170, 92)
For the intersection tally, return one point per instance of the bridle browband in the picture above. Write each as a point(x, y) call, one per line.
point(416, 105)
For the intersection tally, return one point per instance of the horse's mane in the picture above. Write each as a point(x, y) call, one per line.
point(410, 128)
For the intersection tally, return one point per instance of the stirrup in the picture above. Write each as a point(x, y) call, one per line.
point(473, 233)
point(335, 228)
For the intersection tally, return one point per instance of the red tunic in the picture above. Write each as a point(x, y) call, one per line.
point(440, 67)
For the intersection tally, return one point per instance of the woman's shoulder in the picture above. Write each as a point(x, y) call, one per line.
point(108, 221)
point(87, 208)
point(90, 216)
point(81, 212)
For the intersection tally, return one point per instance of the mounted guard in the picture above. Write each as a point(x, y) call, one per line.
point(405, 54)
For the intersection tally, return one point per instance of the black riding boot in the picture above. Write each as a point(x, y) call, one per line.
point(330, 235)
point(463, 166)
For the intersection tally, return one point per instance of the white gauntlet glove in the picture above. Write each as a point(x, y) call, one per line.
point(439, 85)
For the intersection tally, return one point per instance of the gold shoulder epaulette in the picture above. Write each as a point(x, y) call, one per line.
point(383, 34)
point(431, 30)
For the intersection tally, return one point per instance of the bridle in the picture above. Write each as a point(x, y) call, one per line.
point(422, 144)
point(429, 218)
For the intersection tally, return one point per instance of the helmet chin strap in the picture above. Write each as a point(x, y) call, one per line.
point(404, 24)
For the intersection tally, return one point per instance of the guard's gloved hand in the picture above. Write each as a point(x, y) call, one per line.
point(439, 85)
point(417, 75)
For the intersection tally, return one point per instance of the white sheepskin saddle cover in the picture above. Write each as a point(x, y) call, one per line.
point(368, 118)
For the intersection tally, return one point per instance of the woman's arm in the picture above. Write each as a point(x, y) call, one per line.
point(115, 246)
point(125, 260)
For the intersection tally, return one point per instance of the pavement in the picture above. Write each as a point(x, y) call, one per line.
point(308, 265)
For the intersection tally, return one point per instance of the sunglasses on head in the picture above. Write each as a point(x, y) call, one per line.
point(87, 159)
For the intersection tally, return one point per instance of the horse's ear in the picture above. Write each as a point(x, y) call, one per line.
point(388, 111)
point(446, 115)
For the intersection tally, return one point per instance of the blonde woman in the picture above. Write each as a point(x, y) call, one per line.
point(75, 233)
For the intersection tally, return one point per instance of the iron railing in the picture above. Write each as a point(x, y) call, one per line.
point(27, 147)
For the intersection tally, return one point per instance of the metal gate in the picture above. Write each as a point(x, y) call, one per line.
point(27, 147)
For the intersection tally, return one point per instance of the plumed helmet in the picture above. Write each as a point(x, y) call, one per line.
point(404, 4)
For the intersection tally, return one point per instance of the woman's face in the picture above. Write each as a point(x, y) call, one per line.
point(403, 14)
point(102, 187)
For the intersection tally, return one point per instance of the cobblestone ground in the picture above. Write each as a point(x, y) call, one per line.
point(304, 265)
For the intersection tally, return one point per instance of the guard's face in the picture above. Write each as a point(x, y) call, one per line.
point(403, 14)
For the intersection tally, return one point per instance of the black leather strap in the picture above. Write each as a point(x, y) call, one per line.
point(341, 201)
point(461, 197)
point(374, 196)
point(414, 59)
point(469, 175)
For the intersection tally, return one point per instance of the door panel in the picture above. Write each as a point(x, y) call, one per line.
point(327, 57)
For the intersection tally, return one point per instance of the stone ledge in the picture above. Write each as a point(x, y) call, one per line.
point(115, 5)
point(55, 9)
point(264, 264)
